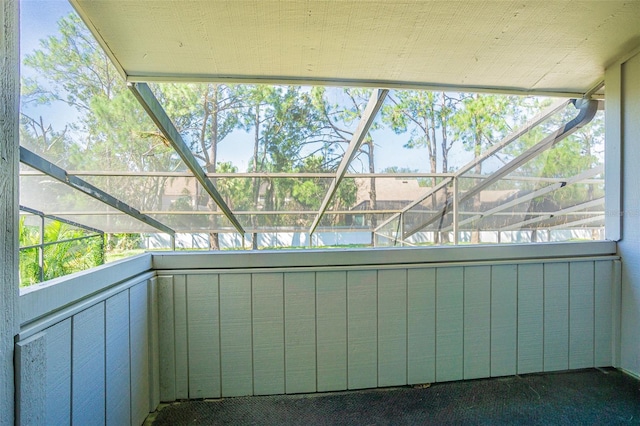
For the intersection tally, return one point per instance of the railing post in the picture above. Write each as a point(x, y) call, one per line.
point(41, 249)
point(455, 211)
point(401, 229)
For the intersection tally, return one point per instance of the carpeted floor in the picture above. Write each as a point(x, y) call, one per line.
point(587, 397)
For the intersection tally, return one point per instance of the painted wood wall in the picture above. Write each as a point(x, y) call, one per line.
point(623, 211)
point(94, 363)
point(106, 346)
point(232, 333)
point(9, 114)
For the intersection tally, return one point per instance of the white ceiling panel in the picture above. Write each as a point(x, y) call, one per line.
point(532, 46)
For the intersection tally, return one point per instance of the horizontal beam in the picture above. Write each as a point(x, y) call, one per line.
point(389, 84)
point(307, 175)
point(150, 103)
point(60, 219)
point(260, 213)
point(35, 161)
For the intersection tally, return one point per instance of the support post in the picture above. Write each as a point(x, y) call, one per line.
point(455, 211)
point(41, 249)
point(9, 109)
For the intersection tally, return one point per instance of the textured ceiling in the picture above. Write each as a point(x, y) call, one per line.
point(533, 46)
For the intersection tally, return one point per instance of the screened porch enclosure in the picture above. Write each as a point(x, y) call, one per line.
point(503, 255)
point(523, 187)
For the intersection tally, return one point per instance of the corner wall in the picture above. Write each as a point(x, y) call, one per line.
point(623, 102)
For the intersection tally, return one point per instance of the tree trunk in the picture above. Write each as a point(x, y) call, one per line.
point(214, 238)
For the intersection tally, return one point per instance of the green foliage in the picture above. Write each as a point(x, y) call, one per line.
point(65, 255)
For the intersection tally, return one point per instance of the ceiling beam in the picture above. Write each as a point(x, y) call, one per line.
point(33, 160)
point(152, 106)
point(342, 82)
point(368, 116)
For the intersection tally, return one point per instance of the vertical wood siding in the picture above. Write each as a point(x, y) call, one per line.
point(291, 332)
point(211, 334)
point(96, 363)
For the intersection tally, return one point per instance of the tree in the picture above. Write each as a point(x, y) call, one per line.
point(340, 118)
point(110, 131)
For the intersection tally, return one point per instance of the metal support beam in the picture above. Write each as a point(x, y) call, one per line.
point(375, 103)
point(572, 209)
point(61, 219)
point(150, 103)
point(41, 250)
point(414, 203)
point(587, 110)
point(578, 222)
point(531, 195)
point(456, 205)
point(33, 160)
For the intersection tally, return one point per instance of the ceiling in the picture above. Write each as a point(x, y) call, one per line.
point(531, 46)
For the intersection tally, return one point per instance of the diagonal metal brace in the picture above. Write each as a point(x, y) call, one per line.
point(587, 110)
point(150, 103)
point(375, 103)
point(33, 160)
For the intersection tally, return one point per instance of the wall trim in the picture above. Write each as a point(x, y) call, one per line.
point(167, 261)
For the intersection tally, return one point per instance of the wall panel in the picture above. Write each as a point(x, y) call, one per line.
point(204, 336)
point(504, 319)
point(236, 354)
point(581, 306)
point(88, 367)
point(477, 322)
point(118, 367)
point(530, 318)
point(450, 324)
point(421, 325)
point(362, 320)
point(268, 333)
point(300, 332)
point(331, 327)
point(58, 383)
point(141, 374)
point(166, 339)
point(392, 327)
point(556, 316)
